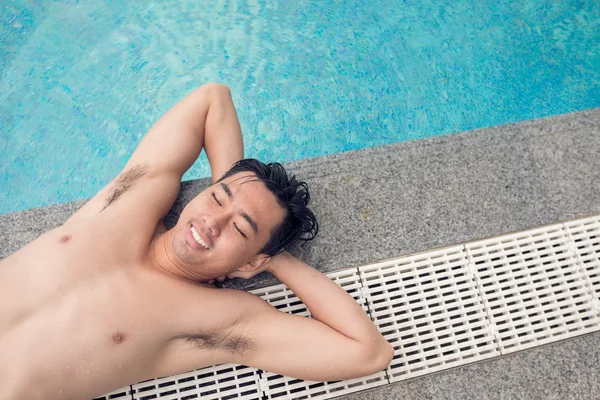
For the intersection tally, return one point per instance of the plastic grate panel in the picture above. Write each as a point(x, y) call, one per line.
point(219, 382)
point(585, 236)
point(533, 288)
point(123, 393)
point(282, 387)
point(428, 307)
point(275, 386)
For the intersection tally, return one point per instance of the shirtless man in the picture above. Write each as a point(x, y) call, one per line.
point(112, 297)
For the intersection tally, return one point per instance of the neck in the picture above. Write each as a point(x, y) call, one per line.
point(164, 259)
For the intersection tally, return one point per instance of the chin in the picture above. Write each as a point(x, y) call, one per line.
point(183, 252)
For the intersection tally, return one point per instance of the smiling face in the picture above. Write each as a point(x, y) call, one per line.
point(226, 225)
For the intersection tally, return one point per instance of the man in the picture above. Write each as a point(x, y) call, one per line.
point(112, 297)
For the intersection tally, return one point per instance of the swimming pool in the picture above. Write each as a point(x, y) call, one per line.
point(82, 81)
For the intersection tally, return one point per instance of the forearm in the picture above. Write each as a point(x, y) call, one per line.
point(327, 302)
point(222, 135)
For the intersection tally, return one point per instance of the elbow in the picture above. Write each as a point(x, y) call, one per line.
point(216, 88)
point(380, 357)
point(217, 93)
point(385, 356)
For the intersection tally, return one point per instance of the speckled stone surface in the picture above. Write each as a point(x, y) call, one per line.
point(566, 370)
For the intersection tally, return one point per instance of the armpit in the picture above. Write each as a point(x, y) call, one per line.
point(218, 341)
point(125, 181)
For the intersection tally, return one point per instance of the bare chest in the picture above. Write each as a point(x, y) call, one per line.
point(76, 307)
point(66, 262)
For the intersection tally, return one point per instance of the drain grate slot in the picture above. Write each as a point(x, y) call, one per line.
point(585, 237)
point(428, 307)
point(533, 288)
point(121, 394)
point(218, 382)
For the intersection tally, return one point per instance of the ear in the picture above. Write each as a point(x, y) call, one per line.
point(258, 261)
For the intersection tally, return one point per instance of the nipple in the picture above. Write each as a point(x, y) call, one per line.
point(119, 337)
point(65, 239)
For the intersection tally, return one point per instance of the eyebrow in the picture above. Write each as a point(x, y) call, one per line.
point(243, 214)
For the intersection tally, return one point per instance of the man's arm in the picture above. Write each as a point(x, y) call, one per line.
point(341, 342)
point(207, 119)
point(204, 119)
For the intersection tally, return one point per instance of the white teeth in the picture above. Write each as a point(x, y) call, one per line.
point(198, 238)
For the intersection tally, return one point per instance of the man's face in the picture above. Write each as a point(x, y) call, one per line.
point(234, 218)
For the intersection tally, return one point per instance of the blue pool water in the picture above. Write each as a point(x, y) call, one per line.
point(82, 81)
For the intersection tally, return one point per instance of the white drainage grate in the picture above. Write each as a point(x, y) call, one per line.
point(428, 307)
point(218, 382)
point(121, 394)
point(282, 387)
point(276, 386)
point(585, 236)
point(533, 289)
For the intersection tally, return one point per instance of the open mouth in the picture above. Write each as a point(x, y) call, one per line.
point(196, 240)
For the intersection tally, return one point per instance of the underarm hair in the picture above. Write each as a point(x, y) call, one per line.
point(125, 181)
point(213, 340)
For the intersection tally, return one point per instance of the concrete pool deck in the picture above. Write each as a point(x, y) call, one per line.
point(407, 197)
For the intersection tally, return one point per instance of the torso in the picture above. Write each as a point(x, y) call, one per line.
point(81, 312)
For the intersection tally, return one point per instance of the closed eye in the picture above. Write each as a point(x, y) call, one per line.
point(215, 197)
point(234, 225)
point(241, 233)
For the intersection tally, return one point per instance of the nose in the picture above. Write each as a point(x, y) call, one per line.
point(213, 223)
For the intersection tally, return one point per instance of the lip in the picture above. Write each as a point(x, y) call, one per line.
point(192, 242)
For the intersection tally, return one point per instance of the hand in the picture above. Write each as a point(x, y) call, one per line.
point(243, 274)
point(271, 265)
point(219, 279)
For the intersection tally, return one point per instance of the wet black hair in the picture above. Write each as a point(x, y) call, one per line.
point(299, 224)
